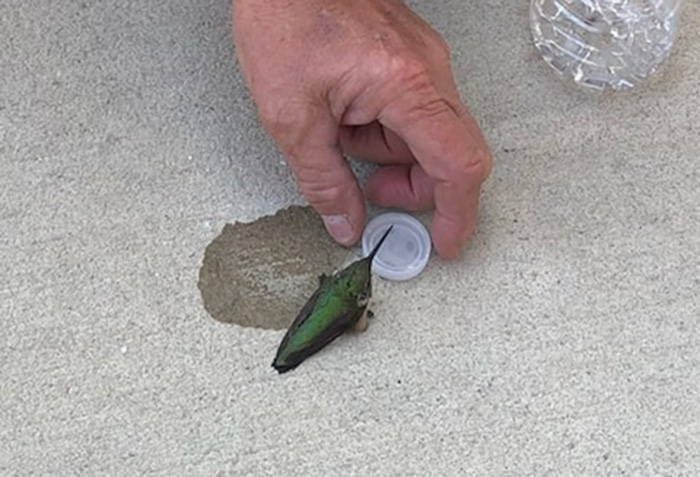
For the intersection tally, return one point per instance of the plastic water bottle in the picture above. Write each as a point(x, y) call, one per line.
point(605, 44)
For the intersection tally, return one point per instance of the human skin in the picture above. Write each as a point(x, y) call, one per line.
point(372, 80)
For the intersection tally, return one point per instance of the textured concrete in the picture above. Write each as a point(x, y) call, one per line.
point(565, 342)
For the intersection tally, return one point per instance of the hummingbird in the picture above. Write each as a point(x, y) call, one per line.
point(339, 303)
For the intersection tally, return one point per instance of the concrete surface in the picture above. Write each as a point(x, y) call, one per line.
point(565, 342)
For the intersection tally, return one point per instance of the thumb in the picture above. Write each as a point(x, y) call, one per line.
point(326, 180)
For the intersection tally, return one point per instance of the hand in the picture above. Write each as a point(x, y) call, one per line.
point(370, 79)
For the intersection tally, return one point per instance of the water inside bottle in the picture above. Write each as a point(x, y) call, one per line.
point(604, 43)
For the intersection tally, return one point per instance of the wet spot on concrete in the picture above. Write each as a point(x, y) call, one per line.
point(260, 274)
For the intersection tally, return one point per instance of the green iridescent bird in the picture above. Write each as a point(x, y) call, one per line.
point(337, 305)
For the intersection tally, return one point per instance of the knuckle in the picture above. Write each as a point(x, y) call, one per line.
point(279, 111)
point(320, 189)
point(477, 165)
point(397, 66)
point(273, 114)
point(440, 47)
point(444, 47)
point(288, 124)
point(432, 107)
point(410, 72)
point(486, 161)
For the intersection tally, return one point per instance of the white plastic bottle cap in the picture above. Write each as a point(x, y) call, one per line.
point(406, 251)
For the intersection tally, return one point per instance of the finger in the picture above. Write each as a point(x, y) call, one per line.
point(326, 180)
point(375, 143)
point(402, 187)
point(451, 150)
point(452, 228)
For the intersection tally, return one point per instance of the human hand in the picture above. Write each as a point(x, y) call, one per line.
point(367, 78)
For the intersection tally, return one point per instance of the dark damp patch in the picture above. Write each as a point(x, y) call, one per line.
point(260, 274)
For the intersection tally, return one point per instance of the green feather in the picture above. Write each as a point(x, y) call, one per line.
point(335, 306)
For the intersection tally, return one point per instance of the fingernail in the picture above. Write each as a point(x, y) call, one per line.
point(340, 228)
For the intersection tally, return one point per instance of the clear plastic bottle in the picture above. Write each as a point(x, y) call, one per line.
point(605, 43)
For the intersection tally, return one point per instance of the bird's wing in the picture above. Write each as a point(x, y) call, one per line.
point(337, 328)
